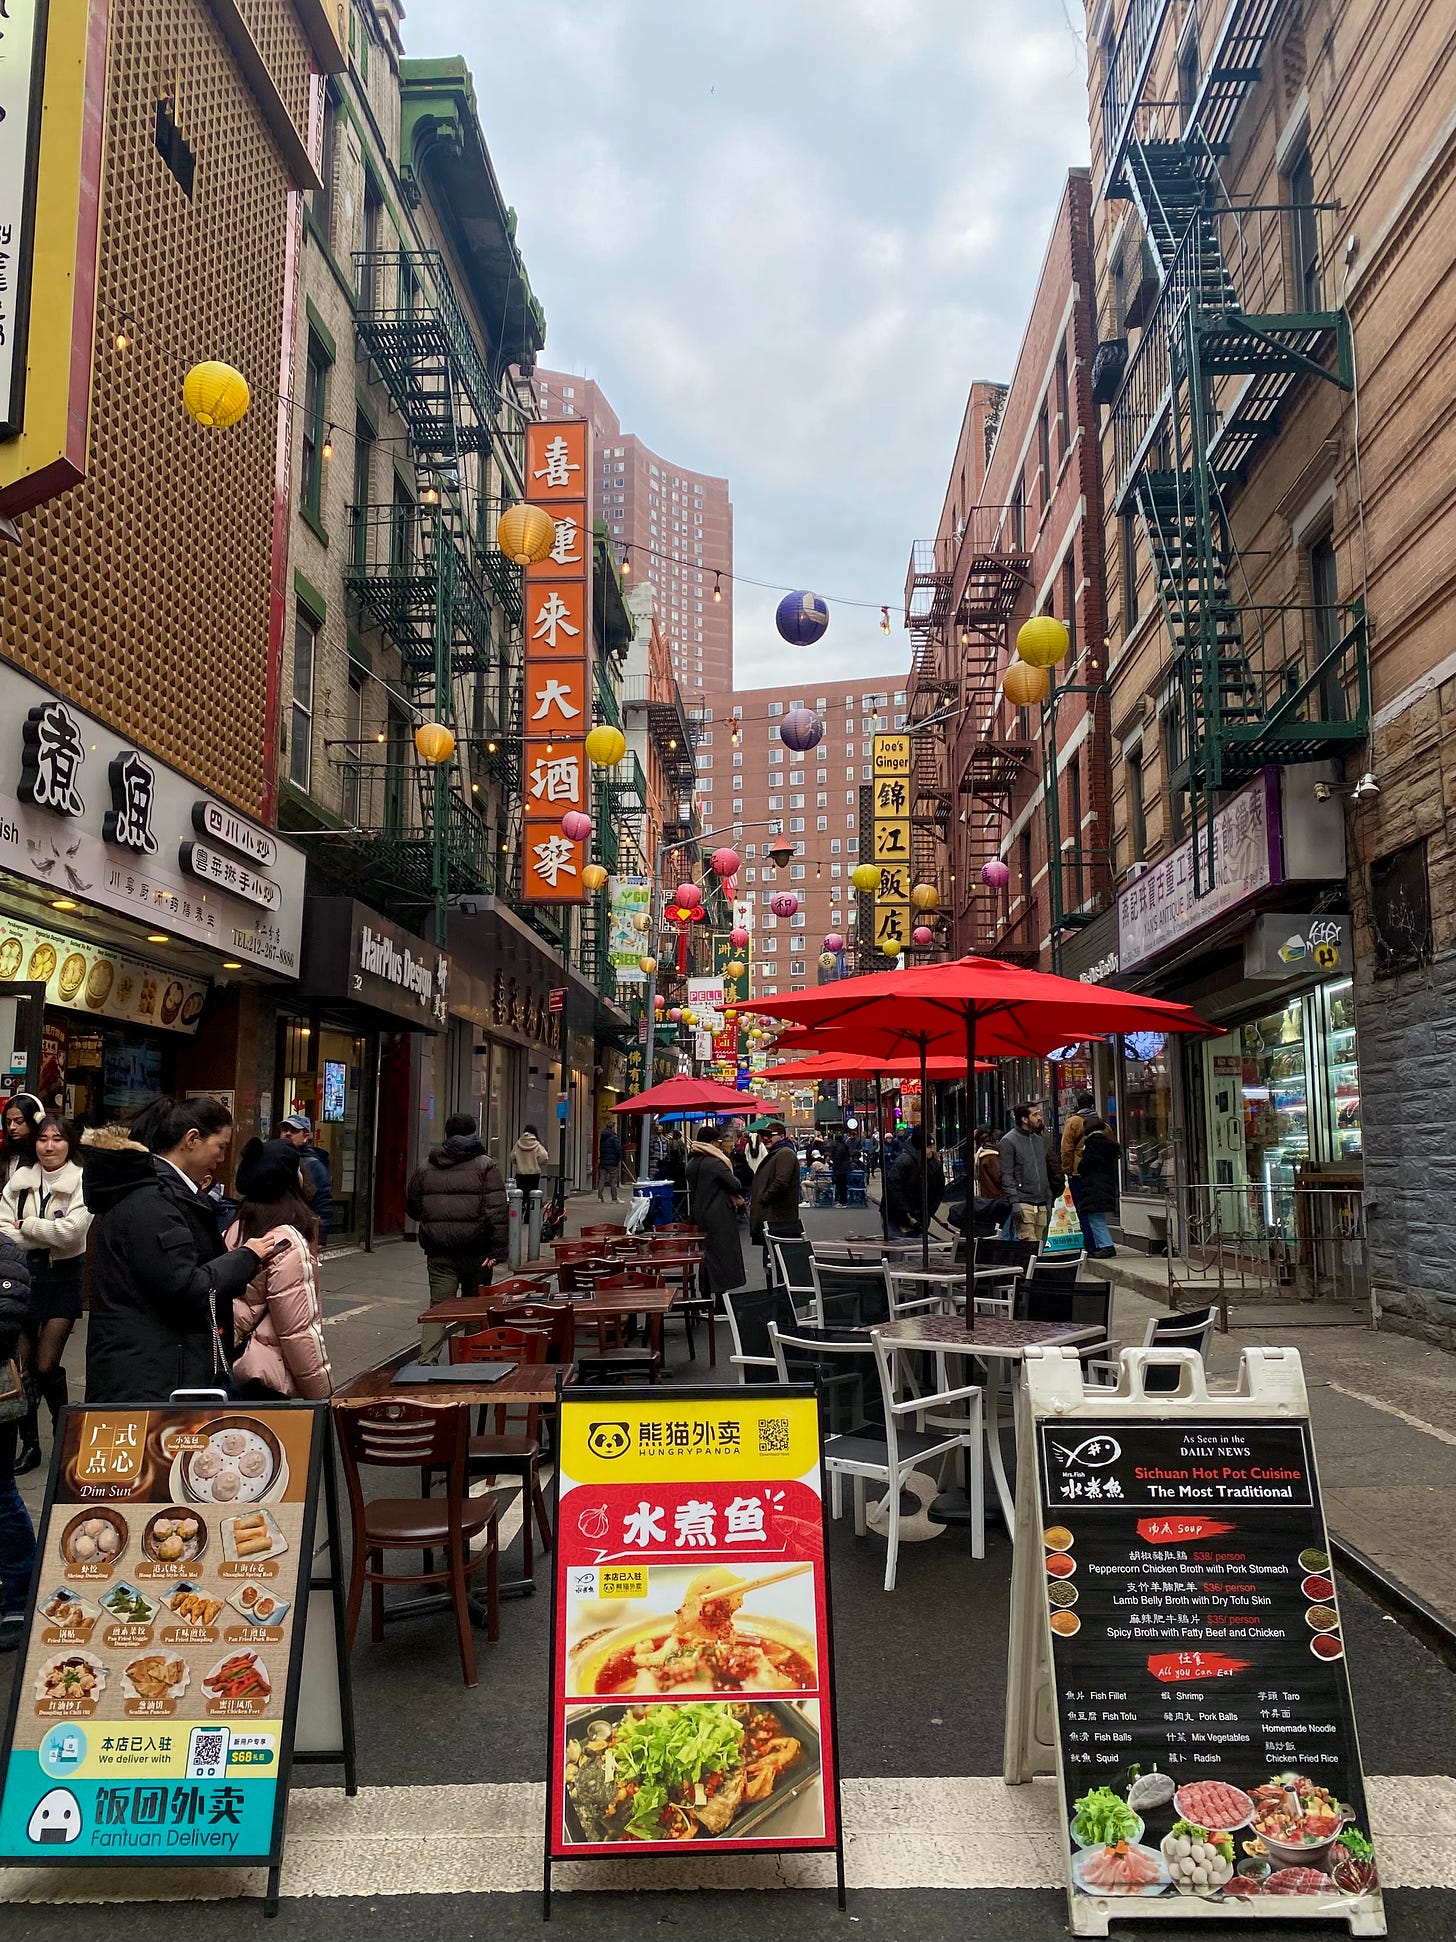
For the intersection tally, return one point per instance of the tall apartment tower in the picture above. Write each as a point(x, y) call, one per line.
point(746, 776)
point(671, 526)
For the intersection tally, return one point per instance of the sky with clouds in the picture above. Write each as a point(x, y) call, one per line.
point(784, 236)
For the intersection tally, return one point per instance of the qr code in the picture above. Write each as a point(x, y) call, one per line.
point(773, 1434)
point(207, 1753)
point(207, 1749)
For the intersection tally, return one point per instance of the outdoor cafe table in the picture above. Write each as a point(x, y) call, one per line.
point(685, 1262)
point(530, 1384)
point(615, 1304)
point(1001, 1344)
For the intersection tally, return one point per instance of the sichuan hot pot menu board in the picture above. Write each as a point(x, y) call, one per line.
point(148, 1716)
point(1207, 1735)
point(691, 1701)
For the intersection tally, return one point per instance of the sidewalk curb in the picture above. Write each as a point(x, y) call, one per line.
point(1409, 1609)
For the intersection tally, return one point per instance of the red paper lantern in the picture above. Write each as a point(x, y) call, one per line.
point(738, 938)
point(724, 862)
point(687, 896)
point(995, 874)
point(577, 825)
point(834, 942)
point(922, 935)
point(784, 904)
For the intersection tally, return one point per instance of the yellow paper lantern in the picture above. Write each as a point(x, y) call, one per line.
point(215, 394)
point(733, 970)
point(1042, 641)
point(690, 1018)
point(605, 746)
point(526, 534)
point(593, 876)
point(647, 966)
point(925, 896)
point(865, 877)
point(891, 948)
point(434, 743)
point(641, 924)
point(1024, 685)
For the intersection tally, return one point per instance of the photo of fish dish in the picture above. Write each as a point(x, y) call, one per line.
point(708, 1644)
point(1122, 1868)
point(698, 1770)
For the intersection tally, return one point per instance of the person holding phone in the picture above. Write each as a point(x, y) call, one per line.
point(278, 1320)
point(162, 1284)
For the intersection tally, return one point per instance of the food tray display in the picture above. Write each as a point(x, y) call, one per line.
point(252, 1538)
point(237, 1460)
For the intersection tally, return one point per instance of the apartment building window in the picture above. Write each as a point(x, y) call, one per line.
point(1324, 584)
point(737, 806)
point(1073, 857)
point(363, 460)
point(849, 822)
point(1069, 601)
point(796, 823)
point(796, 778)
point(1172, 756)
point(849, 775)
point(300, 718)
point(1024, 858)
point(822, 824)
point(796, 875)
point(796, 802)
point(821, 800)
point(1018, 513)
point(1129, 539)
point(775, 802)
point(354, 729)
point(1400, 910)
point(1137, 804)
point(1304, 233)
point(1188, 72)
point(315, 398)
point(321, 201)
point(1044, 455)
point(1064, 406)
point(775, 709)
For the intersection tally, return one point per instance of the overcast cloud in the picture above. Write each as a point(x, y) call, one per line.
point(784, 236)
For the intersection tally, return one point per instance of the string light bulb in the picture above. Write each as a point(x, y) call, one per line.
point(718, 589)
point(626, 562)
point(326, 450)
point(121, 340)
point(884, 620)
point(431, 494)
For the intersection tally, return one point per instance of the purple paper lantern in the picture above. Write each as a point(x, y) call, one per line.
point(995, 874)
point(923, 936)
point(834, 942)
point(801, 730)
point(802, 618)
point(577, 825)
point(784, 904)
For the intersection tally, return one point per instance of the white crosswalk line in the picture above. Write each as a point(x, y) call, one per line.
point(954, 1833)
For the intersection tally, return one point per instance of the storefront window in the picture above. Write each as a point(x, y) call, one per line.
point(1147, 1112)
point(1342, 1072)
point(340, 1096)
point(1276, 1094)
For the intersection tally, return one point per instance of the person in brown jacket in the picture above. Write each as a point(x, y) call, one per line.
point(1074, 1133)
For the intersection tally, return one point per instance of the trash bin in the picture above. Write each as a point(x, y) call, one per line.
point(659, 1192)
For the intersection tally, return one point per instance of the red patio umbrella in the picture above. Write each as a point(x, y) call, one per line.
point(966, 1005)
point(704, 1097)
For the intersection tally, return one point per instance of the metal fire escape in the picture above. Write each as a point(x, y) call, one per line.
point(1242, 318)
point(960, 593)
point(422, 573)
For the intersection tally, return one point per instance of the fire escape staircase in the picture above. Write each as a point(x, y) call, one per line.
point(1236, 327)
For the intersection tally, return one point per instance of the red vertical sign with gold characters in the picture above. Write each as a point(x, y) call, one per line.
point(557, 663)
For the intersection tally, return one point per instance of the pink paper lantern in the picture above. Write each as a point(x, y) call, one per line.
point(834, 942)
point(724, 862)
point(922, 935)
point(995, 874)
point(675, 1013)
point(687, 896)
point(738, 938)
point(577, 825)
point(784, 904)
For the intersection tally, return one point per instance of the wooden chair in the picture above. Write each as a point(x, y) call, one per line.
point(500, 1450)
point(614, 1359)
point(555, 1319)
point(416, 1436)
point(578, 1276)
point(518, 1287)
point(600, 1228)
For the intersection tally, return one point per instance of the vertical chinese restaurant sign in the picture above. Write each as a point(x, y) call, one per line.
point(691, 1662)
point(891, 851)
point(1197, 1640)
point(558, 632)
point(151, 1718)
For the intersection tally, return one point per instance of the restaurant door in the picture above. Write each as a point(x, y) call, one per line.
point(391, 1142)
point(326, 1072)
point(22, 1014)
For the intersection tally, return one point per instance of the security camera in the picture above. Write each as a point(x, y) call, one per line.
point(1366, 786)
point(1322, 792)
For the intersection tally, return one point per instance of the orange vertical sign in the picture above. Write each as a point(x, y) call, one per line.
point(557, 663)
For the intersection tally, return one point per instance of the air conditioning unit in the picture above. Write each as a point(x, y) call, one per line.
point(1135, 870)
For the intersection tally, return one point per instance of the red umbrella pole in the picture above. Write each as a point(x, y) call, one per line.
point(970, 1145)
point(924, 1161)
point(880, 1156)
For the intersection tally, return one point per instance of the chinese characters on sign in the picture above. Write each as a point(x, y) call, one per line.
point(557, 664)
point(1159, 908)
point(692, 1589)
point(891, 850)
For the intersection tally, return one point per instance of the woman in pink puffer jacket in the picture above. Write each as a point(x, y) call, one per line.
point(278, 1320)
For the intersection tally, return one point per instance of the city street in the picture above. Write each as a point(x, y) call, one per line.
point(445, 1835)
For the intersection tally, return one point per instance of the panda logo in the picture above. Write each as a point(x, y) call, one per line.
point(608, 1440)
point(56, 1821)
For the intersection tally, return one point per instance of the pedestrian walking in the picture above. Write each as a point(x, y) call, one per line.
point(44, 1211)
point(714, 1203)
point(459, 1200)
point(17, 1533)
point(1074, 1132)
point(839, 1167)
point(1025, 1175)
point(903, 1194)
point(278, 1319)
point(773, 1210)
point(162, 1283)
point(528, 1160)
point(755, 1148)
point(609, 1163)
point(298, 1131)
point(1097, 1185)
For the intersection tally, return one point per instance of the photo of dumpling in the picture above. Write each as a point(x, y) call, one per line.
point(225, 1487)
point(170, 1549)
point(162, 1527)
point(94, 1526)
point(206, 1463)
point(253, 1463)
point(83, 1547)
point(232, 1442)
point(107, 1540)
point(187, 1529)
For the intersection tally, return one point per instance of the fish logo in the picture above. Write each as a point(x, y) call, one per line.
point(1095, 1454)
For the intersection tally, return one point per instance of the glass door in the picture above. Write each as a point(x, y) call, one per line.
point(22, 1025)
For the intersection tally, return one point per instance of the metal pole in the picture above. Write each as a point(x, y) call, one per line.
point(924, 1162)
point(649, 1074)
point(444, 632)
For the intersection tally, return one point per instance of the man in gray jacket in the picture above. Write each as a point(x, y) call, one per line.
point(1024, 1176)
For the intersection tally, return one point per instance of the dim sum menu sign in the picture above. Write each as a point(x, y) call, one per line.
point(150, 1719)
point(1197, 1653)
point(691, 1662)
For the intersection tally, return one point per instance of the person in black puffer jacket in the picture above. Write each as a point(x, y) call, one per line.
point(162, 1283)
point(458, 1198)
point(17, 1533)
point(904, 1193)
